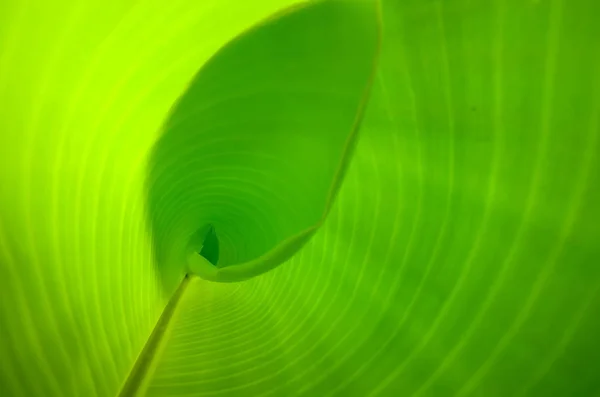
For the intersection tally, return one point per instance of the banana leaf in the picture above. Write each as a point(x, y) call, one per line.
point(402, 196)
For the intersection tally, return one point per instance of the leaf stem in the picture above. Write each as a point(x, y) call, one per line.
point(135, 383)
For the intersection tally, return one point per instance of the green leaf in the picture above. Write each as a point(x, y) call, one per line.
point(84, 89)
point(460, 256)
point(258, 144)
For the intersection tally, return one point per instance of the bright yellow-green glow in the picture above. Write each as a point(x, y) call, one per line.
point(460, 257)
point(84, 89)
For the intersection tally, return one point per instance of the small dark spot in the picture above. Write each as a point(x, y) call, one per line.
point(210, 248)
point(473, 109)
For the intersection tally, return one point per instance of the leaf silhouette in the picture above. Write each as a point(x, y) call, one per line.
point(270, 119)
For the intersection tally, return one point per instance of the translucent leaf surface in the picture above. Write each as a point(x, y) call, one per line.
point(84, 89)
point(259, 142)
point(460, 257)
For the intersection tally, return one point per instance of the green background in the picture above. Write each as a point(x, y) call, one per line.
point(460, 257)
